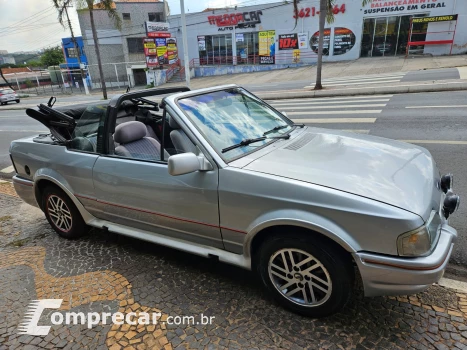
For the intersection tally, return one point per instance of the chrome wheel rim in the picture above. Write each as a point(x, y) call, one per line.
point(300, 277)
point(59, 213)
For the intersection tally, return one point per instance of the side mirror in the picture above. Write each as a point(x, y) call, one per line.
point(186, 163)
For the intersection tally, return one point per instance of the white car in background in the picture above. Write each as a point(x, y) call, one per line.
point(8, 95)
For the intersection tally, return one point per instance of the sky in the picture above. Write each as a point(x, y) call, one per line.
point(29, 25)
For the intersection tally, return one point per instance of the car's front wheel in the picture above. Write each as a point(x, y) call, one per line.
point(308, 276)
point(17, 101)
point(62, 214)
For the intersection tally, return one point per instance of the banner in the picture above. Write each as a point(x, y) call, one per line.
point(239, 37)
point(172, 50)
point(267, 42)
point(149, 47)
point(202, 43)
point(151, 61)
point(303, 41)
point(267, 60)
point(288, 42)
point(157, 30)
point(161, 47)
point(435, 19)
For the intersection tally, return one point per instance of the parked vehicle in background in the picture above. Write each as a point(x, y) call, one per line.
point(219, 173)
point(8, 95)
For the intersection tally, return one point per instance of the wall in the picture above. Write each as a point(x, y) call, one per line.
point(207, 71)
point(279, 17)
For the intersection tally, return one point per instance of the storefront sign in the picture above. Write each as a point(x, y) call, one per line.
point(267, 43)
point(380, 6)
point(435, 19)
point(303, 41)
point(296, 56)
point(241, 20)
point(239, 37)
point(288, 42)
point(172, 50)
point(344, 40)
point(157, 30)
point(315, 38)
point(267, 60)
point(202, 43)
point(151, 61)
point(149, 47)
point(312, 11)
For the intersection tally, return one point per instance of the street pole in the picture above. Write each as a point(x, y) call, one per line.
point(185, 44)
point(78, 53)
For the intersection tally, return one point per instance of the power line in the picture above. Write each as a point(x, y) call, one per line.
point(14, 25)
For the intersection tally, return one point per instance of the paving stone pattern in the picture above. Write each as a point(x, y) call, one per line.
point(107, 273)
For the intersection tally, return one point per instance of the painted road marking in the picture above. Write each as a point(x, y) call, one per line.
point(453, 106)
point(359, 83)
point(366, 77)
point(331, 107)
point(334, 120)
point(328, 102)
point(436, 142)
point(370, 111)
point(8, 170)
point(343, 79)
point(462, 72)
point(330, 98)
point(357, 131)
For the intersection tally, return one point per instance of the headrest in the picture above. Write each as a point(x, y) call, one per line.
point(173, 123)
point(129, 132)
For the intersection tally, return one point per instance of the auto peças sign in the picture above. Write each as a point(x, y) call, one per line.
point(238, 20)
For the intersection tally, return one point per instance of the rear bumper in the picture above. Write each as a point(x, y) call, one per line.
point(388, 275)
point(25, 190)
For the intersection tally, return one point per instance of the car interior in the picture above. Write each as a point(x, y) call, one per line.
point(138, 131)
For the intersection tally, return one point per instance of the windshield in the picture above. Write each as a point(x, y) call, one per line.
point(228, 117)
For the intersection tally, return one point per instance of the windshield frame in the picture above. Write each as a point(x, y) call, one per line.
point(241, 90)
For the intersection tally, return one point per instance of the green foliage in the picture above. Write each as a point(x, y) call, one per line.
point(34, 63)
point(52, 56)
point(29, 83)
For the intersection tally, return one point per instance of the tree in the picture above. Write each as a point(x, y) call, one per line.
point(326, 14)
point(52, 56)
point(62, 8)
point(109, 6)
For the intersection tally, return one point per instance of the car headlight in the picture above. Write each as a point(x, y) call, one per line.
point(414, 243)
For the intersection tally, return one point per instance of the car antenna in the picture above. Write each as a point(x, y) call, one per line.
point(52, 101)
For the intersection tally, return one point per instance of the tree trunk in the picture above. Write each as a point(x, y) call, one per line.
point(98, 54)
point(6, 81)
point(322, 22)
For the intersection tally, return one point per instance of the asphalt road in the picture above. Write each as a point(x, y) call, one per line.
point(436, 121)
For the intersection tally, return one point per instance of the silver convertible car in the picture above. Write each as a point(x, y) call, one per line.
point(219, 173)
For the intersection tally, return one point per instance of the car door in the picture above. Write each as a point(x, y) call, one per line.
point(141, 194)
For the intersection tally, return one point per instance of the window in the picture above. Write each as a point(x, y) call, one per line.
point(155, 17)
point(84, 136)
point(126, 16)
point(135, 45)
point(215, 49)
point(71, 52)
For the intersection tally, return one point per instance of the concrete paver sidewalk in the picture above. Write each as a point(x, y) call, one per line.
point(103, 273)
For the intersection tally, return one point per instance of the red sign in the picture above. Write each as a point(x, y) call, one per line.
point(158, 35)
point(311, 11)
point(233, 19)
point(288, 42)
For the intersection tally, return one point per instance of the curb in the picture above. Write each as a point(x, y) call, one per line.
point(404, 89)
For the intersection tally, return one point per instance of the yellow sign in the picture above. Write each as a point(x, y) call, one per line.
point(150, 45)
point(435, 19)
point(296, 56)
point(266, 41)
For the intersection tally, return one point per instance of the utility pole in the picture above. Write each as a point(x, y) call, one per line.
point(78, 52)
point(185, 44)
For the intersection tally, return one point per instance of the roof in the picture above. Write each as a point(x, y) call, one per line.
point(15, 70)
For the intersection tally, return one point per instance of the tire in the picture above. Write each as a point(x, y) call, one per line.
point(62, 214)
point(17, 101)
point(327, 284)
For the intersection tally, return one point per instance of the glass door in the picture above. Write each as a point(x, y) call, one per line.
point(367, 38)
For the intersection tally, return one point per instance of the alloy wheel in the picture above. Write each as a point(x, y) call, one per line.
point(59, 213)
point(300, 277)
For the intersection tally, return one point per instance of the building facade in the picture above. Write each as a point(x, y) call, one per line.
point(71, 54)
point(269, 34)
point(122, 51)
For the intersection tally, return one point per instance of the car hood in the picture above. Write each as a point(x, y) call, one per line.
point(393, 172)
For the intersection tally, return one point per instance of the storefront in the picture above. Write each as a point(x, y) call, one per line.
point(269, 34)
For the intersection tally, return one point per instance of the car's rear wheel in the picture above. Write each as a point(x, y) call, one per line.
point(62, 214)
point(309, 277)
point(17, 101)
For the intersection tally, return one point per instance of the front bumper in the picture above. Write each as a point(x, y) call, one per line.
point(388, 275)
point(25, 190)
